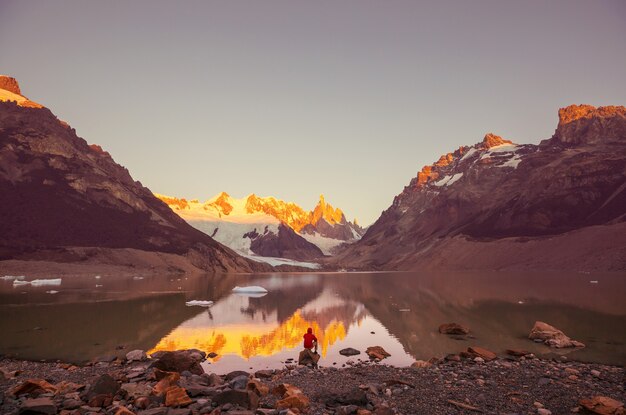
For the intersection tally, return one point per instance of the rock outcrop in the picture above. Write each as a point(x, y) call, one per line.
point(557, 205)
point(10, 84)
point(59, 192)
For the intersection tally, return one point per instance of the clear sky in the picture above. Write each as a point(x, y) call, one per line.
point(297, 98)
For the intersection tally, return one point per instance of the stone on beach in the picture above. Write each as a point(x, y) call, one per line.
point(136, 355)
point(257, 387)
point(420, 364)
point(177, 396)
point(602, 405)
point(476, 351)
point(180, 361)
point(104, 385)
point(33, 387)
point(245, 399)
point(552, 336)
point(165, 381)
point(44, 406)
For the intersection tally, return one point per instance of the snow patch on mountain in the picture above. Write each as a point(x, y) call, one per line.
point(323, 243)
point(448, 180)
point(283, 261)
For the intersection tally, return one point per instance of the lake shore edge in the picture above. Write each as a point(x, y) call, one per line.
point(524, 384)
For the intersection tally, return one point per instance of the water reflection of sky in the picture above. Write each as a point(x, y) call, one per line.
point(403, 310)
point(240, 331)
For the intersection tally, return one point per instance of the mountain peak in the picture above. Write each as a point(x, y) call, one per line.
point(10, 84)
point(586, 124)
point(492, 140)
point(10, 92)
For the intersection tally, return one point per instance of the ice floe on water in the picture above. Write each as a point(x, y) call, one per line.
point(12, 277)
point(199, 303)
point(38, 283)
point(52, 292)
point(252, 289)
point(52, 281)
point(137, 278)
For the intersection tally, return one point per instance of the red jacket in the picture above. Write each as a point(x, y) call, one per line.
point(309, 337)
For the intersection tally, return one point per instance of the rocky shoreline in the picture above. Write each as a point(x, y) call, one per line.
point(174, 383)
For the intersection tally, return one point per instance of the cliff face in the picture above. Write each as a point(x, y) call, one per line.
point(497, 192)
point(58, 191)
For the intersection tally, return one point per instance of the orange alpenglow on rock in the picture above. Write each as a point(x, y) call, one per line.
point(10, 92)
point(492, 140)
point(587, 124)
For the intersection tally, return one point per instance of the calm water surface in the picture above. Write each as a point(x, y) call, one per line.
point(89, 318)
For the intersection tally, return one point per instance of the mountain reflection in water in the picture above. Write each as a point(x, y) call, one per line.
point(402, 309)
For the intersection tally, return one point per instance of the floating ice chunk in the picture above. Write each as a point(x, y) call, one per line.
point(17, 283)
point(138, 278)
point(593, 281)
point(97, 277)
point(98, 285)
point(199, 303)
point(252, 289)
point(12, 277)
point(51, 292)
point(52, 281)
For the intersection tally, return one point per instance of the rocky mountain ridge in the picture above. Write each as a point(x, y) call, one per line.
point(501, 202)
point(60, 193)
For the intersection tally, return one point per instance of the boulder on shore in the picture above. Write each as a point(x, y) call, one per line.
point(552, 336)
point(180, 361)
point(602, 405)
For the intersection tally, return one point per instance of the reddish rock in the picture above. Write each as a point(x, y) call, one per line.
point(376, 352)
point(166, 380)
point(177, 396)
point(453, 328)
point(257, 387)
point(299, 402)
point(104, 385)
point(32, 387)
point(42, 406)
point(480, 352)
point(100, 401)
point(602, 405)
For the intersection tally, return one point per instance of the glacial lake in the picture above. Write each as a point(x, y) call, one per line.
point(84, 318)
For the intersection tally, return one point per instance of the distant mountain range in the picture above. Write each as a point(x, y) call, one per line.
point(499, 205)
point(558, 205)
point(269, 227)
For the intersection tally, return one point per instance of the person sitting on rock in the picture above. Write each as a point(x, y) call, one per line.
point(310, 341)
point(309, 356)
